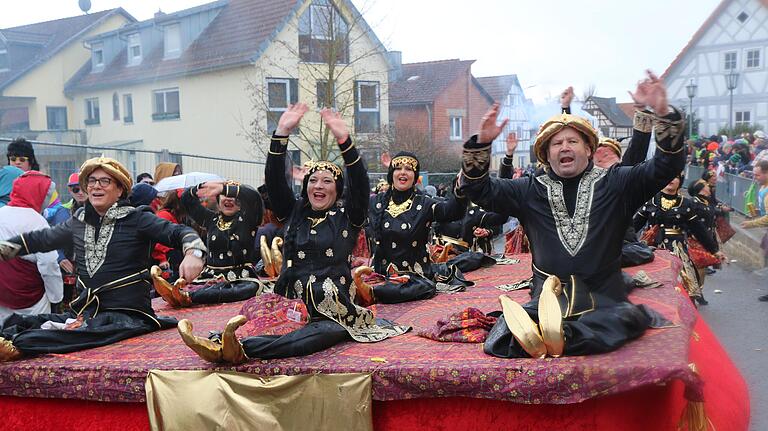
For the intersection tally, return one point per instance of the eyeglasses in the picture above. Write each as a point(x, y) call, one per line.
point(75, 189)
point(103, 182)
point(21, 159)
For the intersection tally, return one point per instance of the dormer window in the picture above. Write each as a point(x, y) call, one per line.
point(134, 49)
point(172, 41)
point(5, 64)
point(97, 51)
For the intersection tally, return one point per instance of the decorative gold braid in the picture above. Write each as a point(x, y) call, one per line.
point(400, 161)
point(348, 148)
point(276, 154)
point(223, 225)
point(313, 166)
point(643, 121)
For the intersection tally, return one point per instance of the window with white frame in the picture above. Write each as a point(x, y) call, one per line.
point(456, 128)
point(742, 118)
point(729, 60)
point(367, 107)
point(5, 64)
point(323, 33)
point(92, 115)
point(166, 104)
point(752, 59)
point(97, 54)
point(134, 49)
point(281, 92)
point(172, 40)
point(128, 108)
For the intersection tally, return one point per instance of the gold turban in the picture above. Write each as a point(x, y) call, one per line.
point(558, 123)
point(111, 166)
point(612, 144)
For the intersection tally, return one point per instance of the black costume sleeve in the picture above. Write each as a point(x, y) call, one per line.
point(278, 190)
point(502, 196)
point(506, 167)
point(178, 236)
point(699, 231)
point(640, 219)
point(44, 240)
point(641, 139)
point(493, 222)
point(357, 192)
point(452, 208)
point(250, 202)
point(641, 182)
point(191, 203)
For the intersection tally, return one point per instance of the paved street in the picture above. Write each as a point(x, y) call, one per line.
point(741, 324)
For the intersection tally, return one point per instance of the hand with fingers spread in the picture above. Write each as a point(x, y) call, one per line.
point(511, 144)
point(489, 130)
point(651, 92)
point(335, 124)
point(210, 189)
point(290, 119)
point(566, 97)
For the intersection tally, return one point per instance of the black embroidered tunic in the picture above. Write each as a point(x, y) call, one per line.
point(464, 229)
point(318, 246)
point(401, 223)
point(677, 218)
point(230, 239)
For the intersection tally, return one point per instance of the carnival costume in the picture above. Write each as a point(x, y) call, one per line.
point(229, 274)
point(112, 260)
point(461, 233)
point(316, 267)
point(575, 227)
point(669, 221)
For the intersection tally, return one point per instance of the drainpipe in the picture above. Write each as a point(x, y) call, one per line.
point(429, 123)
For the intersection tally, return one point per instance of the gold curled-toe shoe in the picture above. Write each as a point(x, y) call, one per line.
point(551, 317)
point(523, 328)
point(205, 348)
point(266, 257)
point(232, 349)
point(171, 293)
point(8, 352)
point(363, 290)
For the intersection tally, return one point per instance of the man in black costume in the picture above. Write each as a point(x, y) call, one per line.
point(112, 241)
point(575, 216)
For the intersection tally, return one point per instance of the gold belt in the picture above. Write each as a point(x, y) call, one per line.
point(450, 240)
point(672, 231)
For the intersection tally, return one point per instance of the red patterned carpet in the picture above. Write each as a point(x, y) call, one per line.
point(450, 377)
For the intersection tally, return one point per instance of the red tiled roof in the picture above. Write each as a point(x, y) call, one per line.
point(236, 36)
point(497, 86)
point(696, 36)
point(628, 109)
point(45, 39)
point(424, 82)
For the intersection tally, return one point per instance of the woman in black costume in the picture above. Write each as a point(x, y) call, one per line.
point(321, 231)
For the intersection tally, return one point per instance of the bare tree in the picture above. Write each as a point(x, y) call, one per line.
point(328, 64)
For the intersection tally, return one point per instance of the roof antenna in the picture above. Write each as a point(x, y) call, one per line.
point(85, 5)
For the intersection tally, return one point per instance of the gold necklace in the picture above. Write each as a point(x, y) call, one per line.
point(667, 204)
point(318, 220)
point(223, 225)
point(396, 209)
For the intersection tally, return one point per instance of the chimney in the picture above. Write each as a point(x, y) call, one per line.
point(396, 60)
point(159, 14)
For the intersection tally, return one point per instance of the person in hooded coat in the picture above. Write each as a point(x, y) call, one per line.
point(31, 284)
point(7, 175)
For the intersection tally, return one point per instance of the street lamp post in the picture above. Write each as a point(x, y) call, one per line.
point(691, 89)
point(731, 81)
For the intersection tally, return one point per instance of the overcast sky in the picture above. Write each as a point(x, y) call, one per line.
point(549, 44)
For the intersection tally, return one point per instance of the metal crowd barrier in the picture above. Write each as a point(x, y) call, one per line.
point(730, 190)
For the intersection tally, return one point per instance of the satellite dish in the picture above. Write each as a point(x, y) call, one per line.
point(85, 5)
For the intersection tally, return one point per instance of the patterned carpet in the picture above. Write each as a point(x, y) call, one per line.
point(404, 367)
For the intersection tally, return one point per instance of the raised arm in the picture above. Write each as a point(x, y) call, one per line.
point(566, 97)
point(641, 182)
point(44, 240)
point(356, 190)
point(502, 196)
point(190, 200)
point(641, 138)
point(452, 208)
point(507, 167)
point(279, 191)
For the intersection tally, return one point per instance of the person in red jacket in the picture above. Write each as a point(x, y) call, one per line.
point(167, 258)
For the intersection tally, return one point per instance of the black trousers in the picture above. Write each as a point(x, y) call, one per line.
point(416, 288)
point(603, 330)
point(225, 292)
point(313, 337)
point(106, 328)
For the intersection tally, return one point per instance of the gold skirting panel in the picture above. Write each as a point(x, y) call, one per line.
point(226, 400)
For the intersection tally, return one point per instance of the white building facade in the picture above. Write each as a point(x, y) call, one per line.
point(734, 39)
